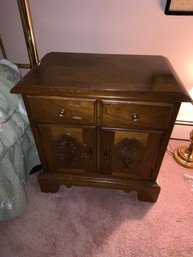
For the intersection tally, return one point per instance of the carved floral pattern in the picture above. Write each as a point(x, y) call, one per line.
point(70, 152)
point(128, 156)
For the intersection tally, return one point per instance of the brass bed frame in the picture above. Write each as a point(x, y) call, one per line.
point(28, 30)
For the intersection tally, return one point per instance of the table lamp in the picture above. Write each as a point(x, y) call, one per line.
point(184, 154)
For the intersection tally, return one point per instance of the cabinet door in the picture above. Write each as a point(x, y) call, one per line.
point(69, 149)
point(128, 154)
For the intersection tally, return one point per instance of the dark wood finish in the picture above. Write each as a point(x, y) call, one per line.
point(129, 154)
point(102, 120)
point(69, 150)
point(132, 114)
point(59, 110)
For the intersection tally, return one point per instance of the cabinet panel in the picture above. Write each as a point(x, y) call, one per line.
point(136, 115)
point(129, 154)
point(69, 149)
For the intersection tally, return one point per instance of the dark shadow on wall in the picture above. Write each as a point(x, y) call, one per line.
point(163, 4)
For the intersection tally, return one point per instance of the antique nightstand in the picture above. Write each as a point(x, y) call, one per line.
point(102, 120)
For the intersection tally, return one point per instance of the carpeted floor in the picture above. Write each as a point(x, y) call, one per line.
point(88, 222)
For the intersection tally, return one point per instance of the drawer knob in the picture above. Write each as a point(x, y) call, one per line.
point(135, 117)
point(62, 113)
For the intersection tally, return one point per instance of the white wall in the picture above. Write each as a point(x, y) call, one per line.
point(110, 26)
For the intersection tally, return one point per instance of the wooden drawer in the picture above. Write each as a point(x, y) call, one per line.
point(60, 110)
point(135, 114)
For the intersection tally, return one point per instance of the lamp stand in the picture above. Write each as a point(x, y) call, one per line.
point(184, 155)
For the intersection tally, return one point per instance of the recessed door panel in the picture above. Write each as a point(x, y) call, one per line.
point(69, 149)
point(128, 154)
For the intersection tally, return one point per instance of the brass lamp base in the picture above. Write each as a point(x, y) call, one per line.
point(183, 156)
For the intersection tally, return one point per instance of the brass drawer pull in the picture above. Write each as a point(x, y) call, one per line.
point(62, 113)
point(135, 117)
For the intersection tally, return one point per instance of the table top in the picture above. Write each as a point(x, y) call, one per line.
point(138, 76)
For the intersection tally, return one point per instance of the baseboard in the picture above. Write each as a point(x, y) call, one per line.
point(182, 130)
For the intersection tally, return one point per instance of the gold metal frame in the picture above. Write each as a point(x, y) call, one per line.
point(28, 30)
point(2, 48)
